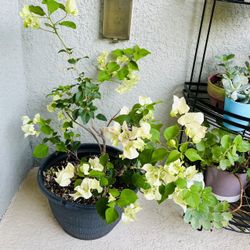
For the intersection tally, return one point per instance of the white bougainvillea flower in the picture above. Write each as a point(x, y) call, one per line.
point(28, 127)
point(111, 198)
point(113, 133)
point(124, 110)
point(71, 8)
point(102, 60)
point(144, 130)
point(95, 184)
point(63, 177)
point(128, 83)
point(195, 131)
point(152, 193)
point(196, 178)
point(29, 19)
point(144, 100)
point(85, 168)
point(95, 164)
point(129, 214)
point(130, 150)
point(153, 174)
point(190, 172)
point(25, 119)
point(121, 60)
point(50, 107)
point(192, 117)
point(179, 106)
point(83, 190)
point(37, 119)
point(177, 196)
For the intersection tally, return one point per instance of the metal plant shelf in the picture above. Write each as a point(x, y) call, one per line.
point(197, 97)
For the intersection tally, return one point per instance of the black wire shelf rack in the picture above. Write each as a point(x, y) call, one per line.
point(196, 95)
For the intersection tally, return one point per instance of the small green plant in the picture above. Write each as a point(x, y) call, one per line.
point(159, 169)
point(226, 151)
point(235, 79)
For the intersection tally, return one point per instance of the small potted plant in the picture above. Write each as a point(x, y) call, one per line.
point(226, 159)
point(215, 87)
point(237, 101)
point(90, 187)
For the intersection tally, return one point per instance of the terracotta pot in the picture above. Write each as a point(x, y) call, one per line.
point(225, 185)
point(216, 93)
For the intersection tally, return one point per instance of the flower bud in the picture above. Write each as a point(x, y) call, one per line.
point(70, 7)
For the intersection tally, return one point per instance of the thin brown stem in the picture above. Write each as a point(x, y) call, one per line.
point(112, 118)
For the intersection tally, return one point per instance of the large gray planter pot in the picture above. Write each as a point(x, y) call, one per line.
point(225, 185)
point(80, 221)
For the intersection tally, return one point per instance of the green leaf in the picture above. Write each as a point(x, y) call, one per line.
point(127, 197)
point(112, 66)
point(73, 60)
point(171, 132)
point(140, 181)
point(243, 147)
point(41, 151)
point(133, 66)
point(46, 130)
point(117, 52)
point(248, 173)
point(155, 135)
point(173, 156)
point(181, 183)
point(200, 146)
point(68, 24)
point(122, 73)
point(165, 191)
point(145, 156)
point(77, 182)
point(224, 164)
point(140, 53)
point(101, 206)
point(111, 215)
point(225, 141)
point(37, 10)
point(103, 76)
point(122, 118)
point(96, 174)
point(104, 181)
point(61, 147)
point(192, 155)
point(52, 5)
point(159, 154)
point(104, 159)
point(114, 192)
point(101, 117)
point(128, 51)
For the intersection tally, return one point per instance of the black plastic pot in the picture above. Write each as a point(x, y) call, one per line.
point(80, 221)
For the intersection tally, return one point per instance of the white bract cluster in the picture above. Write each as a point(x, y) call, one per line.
point(71, 8)
point(169, 173)
point(130, 137)
point(192, 121)
point(129, 81)
point(129, 213)
point(84, 190)
point(29, 19)
point(28, 126)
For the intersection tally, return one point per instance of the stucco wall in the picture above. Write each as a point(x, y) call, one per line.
point(15, 151)
point(168, 28)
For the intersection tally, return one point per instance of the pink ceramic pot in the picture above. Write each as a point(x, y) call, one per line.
point(225, 185)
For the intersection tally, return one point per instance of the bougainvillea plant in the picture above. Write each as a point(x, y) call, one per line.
point(160, 168)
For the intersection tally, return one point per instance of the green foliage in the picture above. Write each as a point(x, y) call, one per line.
point(224, 150)
point(41, 151)
point(111, 215)
point(127, 197)
point(68, 24)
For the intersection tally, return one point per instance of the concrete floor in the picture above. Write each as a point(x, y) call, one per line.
point(29, 224)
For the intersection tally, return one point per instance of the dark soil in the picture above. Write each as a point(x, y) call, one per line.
point(217, 80)
point(64, 192)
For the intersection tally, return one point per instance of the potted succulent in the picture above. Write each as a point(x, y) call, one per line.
point(237, 87)
point(90, 187)
point(215, 87)
point(226, 159)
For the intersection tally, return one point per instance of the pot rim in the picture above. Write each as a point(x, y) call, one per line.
point(229, 172)
point(54, 198)
point(237, 103)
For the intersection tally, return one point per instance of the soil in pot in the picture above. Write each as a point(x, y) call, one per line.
point(225, 185)
point(78, 218)
point(216, 91)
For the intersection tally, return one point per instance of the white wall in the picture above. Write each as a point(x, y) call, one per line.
point(168, 28)
point(15, 151)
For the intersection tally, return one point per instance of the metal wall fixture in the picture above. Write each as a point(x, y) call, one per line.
point(117, 16)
